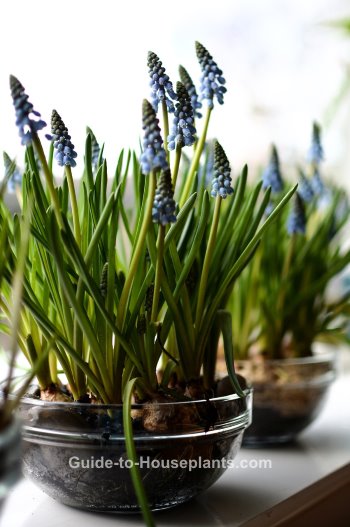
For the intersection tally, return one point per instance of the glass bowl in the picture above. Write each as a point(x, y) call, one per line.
point(76, 452)
point(288, 395)
point(10, 458)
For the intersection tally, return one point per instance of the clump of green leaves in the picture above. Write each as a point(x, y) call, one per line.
point(13, 304)
point(283, 301)
point(94, 257)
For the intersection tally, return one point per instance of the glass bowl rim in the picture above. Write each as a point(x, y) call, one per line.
point(113, 406)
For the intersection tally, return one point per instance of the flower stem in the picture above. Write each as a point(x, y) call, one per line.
point(282, 292)
point(158, 274)
point(49, 180)
point(206, 264)
point(195, 161)
point(166, 129)
point(285, 272)
point(249, 302)
point(74, 204)
point(178, 152)
point(137, 253)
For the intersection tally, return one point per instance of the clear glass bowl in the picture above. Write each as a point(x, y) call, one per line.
point(288, 395)
point(76, 452)
point(10, 458)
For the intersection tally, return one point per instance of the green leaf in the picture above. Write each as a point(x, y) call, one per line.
point(225, 320)
point(132, 455)
point(88, 164)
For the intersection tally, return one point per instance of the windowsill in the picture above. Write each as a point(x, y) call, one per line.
point(239, 495)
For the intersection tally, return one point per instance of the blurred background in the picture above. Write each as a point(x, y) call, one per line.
point(284, 63)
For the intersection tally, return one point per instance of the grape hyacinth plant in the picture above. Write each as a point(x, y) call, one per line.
point(281, 304)
point(106, 283)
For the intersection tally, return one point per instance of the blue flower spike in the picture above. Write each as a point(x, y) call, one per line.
point(315, 154)
point(271, 176)
point(296, 222)
point(161, 86)
point(164, 206)
point(153, 156)
point(192, 92)
point(27, 119)
point(211, 81)
point(182, 132)
point(305, 189)
point(65, 154)
point(221, 183)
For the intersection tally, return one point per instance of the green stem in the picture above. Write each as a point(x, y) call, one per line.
point(74, 204)
point(284, 275)
point(137, 253)
point(206, 264)
point(178, 152)
point(184, 293)
point(249, 301)
point(158, 274)
point(166, 128)
point(282, 292)
point(195, 160)
point(49, 179)
point(124, 297)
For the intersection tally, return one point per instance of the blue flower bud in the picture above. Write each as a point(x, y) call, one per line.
point(315, 154)
point(317, 183)
point(271, 176)
point(161, 86)
point(305, 189)
point(296, 222)
point(221, 183)
point(153, 156)
point(182, 132)
point(65, 152)
point(164, 206)
point(25, 113)
point(191, 89)
point(212, 80)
